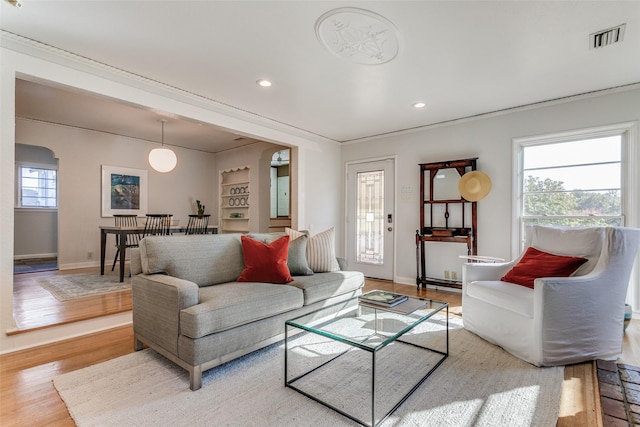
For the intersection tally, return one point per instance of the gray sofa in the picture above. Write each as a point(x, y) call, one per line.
point(188, 306)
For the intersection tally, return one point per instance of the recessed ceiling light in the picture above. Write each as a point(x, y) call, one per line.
point(263, 83)
point(419, 105)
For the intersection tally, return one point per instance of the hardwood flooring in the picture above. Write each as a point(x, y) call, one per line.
point(36, 308)
point(27, 395)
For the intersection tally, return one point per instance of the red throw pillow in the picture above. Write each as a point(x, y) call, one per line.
point(536, 263)
point(265, 262)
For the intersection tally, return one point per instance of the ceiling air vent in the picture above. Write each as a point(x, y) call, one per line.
point(606, 37)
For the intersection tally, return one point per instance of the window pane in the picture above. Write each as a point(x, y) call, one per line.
point(38, 187)
point(576, 203)
point(575, 222)
point(30, 200)
point(591, 177)
point(598, 150)
point(29, 182)
point(577, 183)
point(370, 217)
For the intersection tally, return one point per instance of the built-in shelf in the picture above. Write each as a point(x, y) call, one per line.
point(227, 184)
point(234, 196)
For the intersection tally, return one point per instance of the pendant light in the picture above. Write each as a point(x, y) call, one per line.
point(163, 159)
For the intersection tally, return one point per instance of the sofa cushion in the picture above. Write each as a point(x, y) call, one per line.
point(321, 286)
point(205, 259)
point(518, 299)
point(233, 304)
point(321, 250)
point(265, 262)
point(535, 263)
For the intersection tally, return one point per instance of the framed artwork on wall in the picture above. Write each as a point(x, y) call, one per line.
point(124, 191)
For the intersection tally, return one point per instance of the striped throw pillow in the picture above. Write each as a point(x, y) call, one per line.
point(321, 250)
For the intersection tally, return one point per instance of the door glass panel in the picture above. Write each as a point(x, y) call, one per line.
point(370, 217)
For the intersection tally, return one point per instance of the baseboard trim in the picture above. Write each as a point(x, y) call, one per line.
point(34, 256)
point(73, 266)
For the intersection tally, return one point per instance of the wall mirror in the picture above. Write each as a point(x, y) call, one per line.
point(445, 184)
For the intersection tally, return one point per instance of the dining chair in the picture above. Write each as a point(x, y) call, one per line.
point(197, 224)
point(157, 224)
point(132, 239)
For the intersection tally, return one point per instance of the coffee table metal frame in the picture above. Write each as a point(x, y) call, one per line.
point(294, 327)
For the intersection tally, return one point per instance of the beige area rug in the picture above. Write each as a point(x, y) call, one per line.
point(73, 286)
point(477, 385)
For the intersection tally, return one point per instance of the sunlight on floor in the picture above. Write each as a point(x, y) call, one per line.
point(571, 402)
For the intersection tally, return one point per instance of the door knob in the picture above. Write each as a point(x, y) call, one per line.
point(389, 228)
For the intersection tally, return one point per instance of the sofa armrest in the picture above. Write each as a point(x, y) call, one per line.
point(135, 264)
point(157, 302)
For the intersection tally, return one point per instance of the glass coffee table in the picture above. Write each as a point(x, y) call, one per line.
point(364, 361)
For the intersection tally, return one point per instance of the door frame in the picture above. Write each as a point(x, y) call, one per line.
point(394, 159)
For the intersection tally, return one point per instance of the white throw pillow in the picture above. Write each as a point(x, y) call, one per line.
point(321, 250)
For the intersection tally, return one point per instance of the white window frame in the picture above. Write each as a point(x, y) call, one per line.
point(18, 181)
point(630, 177)
point(630, 185)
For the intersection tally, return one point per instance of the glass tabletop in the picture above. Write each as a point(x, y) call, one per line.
point(367, 326)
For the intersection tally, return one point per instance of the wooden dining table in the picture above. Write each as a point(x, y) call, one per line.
point(122, 233)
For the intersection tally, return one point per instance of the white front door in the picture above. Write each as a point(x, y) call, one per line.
point(370, 216)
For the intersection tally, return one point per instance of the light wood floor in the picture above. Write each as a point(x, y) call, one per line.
point(36, 308)
point(27, 395)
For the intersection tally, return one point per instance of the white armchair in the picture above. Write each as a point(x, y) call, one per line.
point(562, 320)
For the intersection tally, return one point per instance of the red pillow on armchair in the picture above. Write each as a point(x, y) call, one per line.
point(265, 262)
point(535, 263)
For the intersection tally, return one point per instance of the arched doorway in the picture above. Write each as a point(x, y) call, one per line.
point(36, 213)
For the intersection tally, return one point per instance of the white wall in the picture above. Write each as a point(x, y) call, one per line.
point(320, 195)
point(36, 233)
point(489, 139)
point(80, 172)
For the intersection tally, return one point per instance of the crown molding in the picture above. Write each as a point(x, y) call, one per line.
point(497, 113)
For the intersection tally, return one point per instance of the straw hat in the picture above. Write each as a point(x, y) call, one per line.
point(474, 186)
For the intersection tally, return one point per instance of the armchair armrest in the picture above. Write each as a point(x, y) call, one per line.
point(472, 272)
point(157, 302)
point(575, 312)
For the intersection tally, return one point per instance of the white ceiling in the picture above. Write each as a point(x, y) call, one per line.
point(462, 58)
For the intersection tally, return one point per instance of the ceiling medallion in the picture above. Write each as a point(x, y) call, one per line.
point(358, 35)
